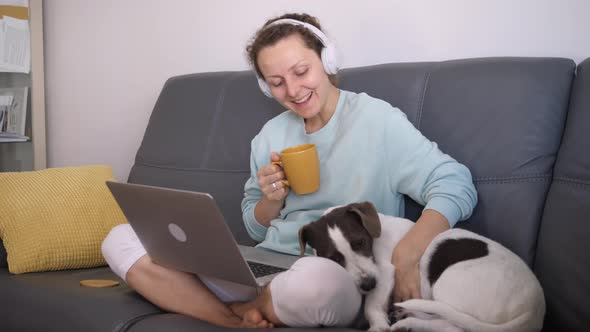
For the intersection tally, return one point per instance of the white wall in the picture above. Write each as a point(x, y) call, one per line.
point(107, 60)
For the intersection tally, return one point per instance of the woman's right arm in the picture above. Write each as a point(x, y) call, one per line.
point(262, 201)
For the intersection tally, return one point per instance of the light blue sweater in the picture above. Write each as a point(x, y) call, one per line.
point(368, 151)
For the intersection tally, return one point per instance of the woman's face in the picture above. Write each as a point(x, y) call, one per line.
point(296, 77)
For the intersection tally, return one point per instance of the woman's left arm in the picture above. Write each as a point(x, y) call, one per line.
point(420, 170)
point(409, 250)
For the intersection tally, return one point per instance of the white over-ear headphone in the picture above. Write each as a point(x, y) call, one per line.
point(329, 56)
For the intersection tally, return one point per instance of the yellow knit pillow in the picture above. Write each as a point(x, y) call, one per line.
point(56, 219)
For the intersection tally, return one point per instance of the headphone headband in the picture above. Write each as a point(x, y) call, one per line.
point(319, 34)
point(328, 55)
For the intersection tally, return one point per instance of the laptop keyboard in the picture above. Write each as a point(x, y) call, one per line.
point(261, 270)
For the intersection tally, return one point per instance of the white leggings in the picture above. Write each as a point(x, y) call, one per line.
point(313, 292)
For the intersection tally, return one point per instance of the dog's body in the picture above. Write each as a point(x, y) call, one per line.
point(468, 282)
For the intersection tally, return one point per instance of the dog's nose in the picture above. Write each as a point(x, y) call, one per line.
point(368, 283)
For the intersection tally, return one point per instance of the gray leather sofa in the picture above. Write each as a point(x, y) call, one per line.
point(522, 125)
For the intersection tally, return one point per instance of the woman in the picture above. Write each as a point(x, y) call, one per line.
point(368, 151)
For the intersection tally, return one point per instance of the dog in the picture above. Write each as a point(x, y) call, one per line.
point(468, 282)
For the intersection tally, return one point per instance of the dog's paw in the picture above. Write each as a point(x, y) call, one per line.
point(397, 327)
point(396, 314)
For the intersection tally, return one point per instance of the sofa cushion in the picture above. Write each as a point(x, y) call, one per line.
point(504, 119)
point(163, 322)
point(562, 255)
point(55, 301)
point(501, 117)
point(56, 218)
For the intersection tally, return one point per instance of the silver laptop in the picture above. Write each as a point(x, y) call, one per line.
point(185, 230)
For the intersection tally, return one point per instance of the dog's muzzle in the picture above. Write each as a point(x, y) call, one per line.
point(367, 284)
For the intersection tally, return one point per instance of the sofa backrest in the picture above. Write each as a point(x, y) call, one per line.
point(563, 256)
point(502, 117)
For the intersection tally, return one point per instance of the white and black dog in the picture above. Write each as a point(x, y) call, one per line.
point(468, 282)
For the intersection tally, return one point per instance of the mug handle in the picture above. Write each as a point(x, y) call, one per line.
point(280, 164)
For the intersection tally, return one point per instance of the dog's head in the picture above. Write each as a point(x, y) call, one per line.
point(345, 235)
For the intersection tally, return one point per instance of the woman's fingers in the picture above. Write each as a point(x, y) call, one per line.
point(269, 175)
point(407, 284)
point(269, 180)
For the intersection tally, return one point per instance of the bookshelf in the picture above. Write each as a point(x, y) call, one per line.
point(29, 155)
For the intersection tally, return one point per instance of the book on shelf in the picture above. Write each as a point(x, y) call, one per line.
point(13, 114)
point(15, 40)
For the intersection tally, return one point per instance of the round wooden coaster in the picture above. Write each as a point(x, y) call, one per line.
point(99, 283)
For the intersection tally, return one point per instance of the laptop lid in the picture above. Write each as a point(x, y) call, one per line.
point(183, 230)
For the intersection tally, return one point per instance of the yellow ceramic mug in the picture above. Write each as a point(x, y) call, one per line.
point(302, 168)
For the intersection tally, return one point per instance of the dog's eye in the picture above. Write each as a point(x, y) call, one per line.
point(357, 244)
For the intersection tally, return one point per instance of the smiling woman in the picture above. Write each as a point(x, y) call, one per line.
point(297, 80)
point(296, 64)
point(368, 151)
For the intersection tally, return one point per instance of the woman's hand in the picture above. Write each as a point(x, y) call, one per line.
point(408, 252)
point(407, 273)
point(269, 180)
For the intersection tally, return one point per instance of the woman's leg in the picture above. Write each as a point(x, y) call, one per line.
point(170, 290)
point(313, 292)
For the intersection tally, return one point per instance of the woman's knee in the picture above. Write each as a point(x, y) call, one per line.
point(121, 249)
point(315, 291)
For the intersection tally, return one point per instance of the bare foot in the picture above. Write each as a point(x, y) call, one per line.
point(240, 308)
point(259, 311)
point(252, 318)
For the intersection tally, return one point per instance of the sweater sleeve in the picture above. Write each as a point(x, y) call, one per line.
point(422, 171)
point(252, 194)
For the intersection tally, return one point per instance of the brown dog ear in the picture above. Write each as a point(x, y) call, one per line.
point(369, 217)
point(304, 234)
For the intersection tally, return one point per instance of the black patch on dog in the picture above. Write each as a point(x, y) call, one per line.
point(453, 251)
point(350, 224)
point(352, 228)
